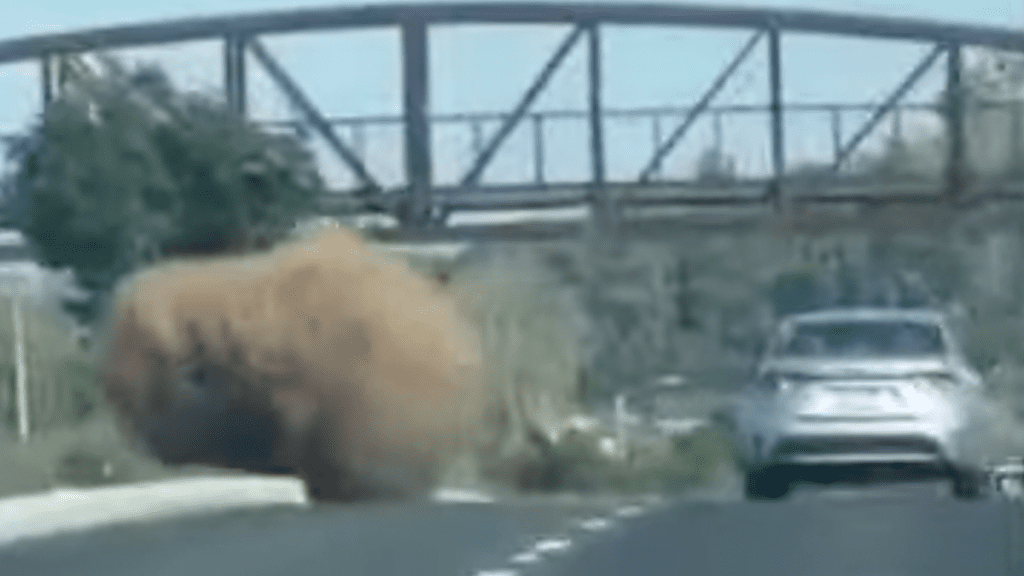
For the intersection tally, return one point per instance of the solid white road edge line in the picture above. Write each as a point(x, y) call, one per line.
point(459, 495)
point(64, 510)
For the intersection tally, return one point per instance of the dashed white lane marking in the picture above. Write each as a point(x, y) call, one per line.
point(552, 545)
point(629, 511)
point(525, 558)
point(541, 547)
point(595, 524)
point(557, 544)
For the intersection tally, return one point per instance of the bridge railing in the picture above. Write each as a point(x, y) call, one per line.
point(648, 127)
point(826, 129)
point(714, 163)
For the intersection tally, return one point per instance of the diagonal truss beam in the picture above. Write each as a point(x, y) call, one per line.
point(702, 105)
point(313, 116)
point(473, 175)
point(887, 106)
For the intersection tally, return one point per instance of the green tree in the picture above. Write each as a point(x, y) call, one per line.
point(123, 170)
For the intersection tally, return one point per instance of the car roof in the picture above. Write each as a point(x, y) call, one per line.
point(925, 315)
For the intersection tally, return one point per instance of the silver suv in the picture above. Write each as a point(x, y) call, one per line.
point(843, 393)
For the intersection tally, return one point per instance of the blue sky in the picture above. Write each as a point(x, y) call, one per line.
point(486, 69)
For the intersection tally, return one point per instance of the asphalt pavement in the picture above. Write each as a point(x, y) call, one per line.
point(415, 539)
point(895, 530)
point(901, 530)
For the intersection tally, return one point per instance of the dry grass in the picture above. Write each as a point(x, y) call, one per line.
point(533, 324)
point(59, 375)
point(73, 439)
point(654, 464)
point(88, 453)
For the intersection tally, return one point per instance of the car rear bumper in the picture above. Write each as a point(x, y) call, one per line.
point(859, 449)
point(879, 442)
point(847, 459)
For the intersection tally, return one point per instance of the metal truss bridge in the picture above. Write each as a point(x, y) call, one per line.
point(423, 204)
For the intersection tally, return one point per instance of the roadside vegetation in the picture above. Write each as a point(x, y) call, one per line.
point(566, 325)
point(124, 171)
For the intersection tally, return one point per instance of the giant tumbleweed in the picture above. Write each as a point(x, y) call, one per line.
point(321, 357)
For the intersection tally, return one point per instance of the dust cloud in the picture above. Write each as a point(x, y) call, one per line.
point(321, 358)
point(993, 432)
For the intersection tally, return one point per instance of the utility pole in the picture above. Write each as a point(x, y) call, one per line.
point(21, 380)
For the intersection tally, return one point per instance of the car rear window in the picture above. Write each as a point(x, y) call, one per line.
point(865, 338)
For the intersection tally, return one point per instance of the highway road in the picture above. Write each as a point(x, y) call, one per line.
point(901, 530)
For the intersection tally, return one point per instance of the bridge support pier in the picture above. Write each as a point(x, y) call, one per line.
point(234, 73)
point(775, 188)
point(603, 209)
point(418, 165)
point(956, 167)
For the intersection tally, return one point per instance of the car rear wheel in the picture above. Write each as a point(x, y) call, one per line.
point(768, 483)
point(967, 483)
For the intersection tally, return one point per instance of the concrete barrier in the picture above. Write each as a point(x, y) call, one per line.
point(65, 510)
point(68, 510)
